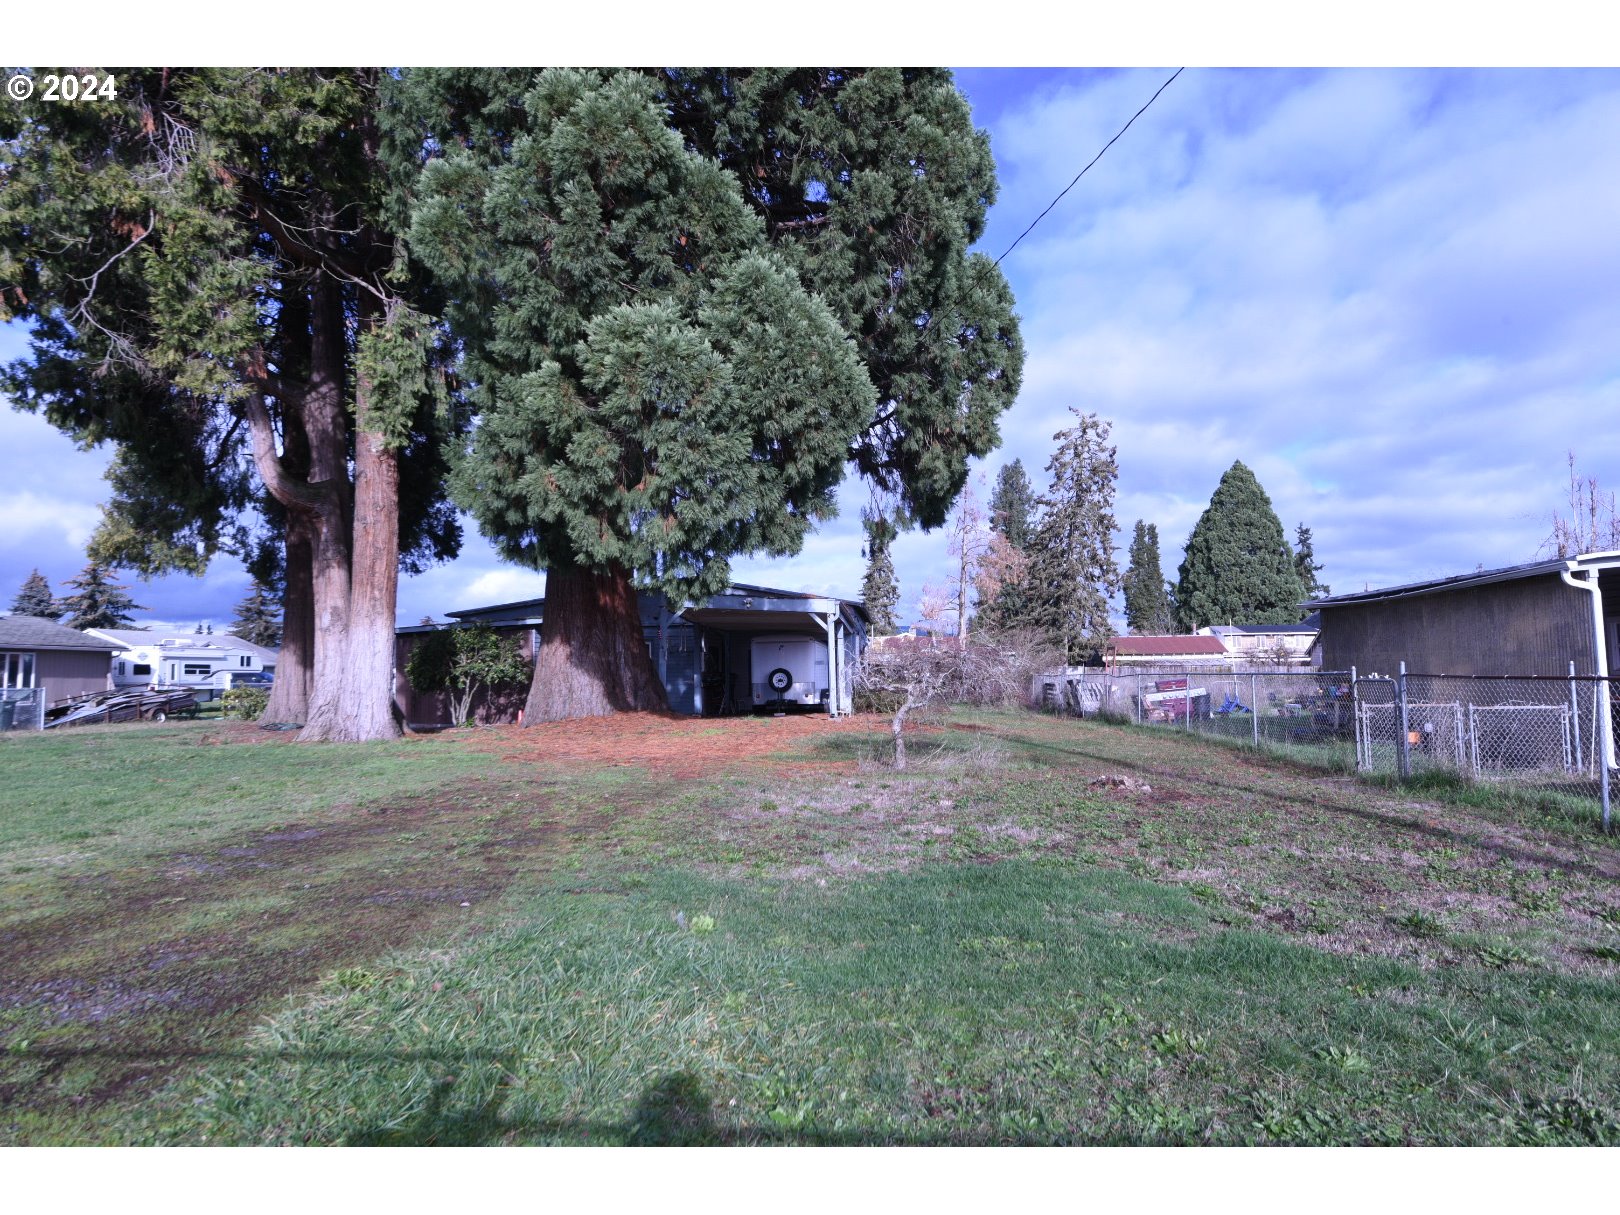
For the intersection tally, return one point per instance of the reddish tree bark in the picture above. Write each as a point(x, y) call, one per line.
point(289, 695)
point(593, 659)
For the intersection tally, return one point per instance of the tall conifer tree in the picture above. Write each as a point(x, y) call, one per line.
point(864, 188)
point(258, 618)
point(35, 599)
point(98, 601)
point(1072, 567)
point(880, 589)
point(1147, 602)
point(1238, 568)
point(1307, 566)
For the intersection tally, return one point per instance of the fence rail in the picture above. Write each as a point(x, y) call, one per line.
point(22, 709)
point(1547, 735)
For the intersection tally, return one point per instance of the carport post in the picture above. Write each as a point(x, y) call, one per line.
point(832, 665)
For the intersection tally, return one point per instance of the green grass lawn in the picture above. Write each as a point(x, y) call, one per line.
point(1048, 931)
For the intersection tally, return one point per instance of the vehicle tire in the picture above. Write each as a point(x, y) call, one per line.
point(160, 715)
point(779, 680)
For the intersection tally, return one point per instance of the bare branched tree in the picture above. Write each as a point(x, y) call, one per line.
point(1592, 525)
point(918, 677)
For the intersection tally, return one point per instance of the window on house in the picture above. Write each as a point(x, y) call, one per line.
point(16, 670)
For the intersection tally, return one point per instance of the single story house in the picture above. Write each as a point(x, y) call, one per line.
point(148, 658)
point(1283, 644)
point(1163, 650)
point(1530, 619)
point(704, 653)
point(42, 662)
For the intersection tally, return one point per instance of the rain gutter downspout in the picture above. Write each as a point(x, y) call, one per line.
point(1590, 585)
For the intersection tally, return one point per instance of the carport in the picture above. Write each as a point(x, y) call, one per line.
point(727, 623)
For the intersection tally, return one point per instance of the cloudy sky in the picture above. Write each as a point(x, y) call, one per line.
point(1395, 295)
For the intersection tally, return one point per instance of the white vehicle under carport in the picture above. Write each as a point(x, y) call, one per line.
point(788, 668)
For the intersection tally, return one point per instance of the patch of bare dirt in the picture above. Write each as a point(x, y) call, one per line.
point(685, 747)
point(150, 962)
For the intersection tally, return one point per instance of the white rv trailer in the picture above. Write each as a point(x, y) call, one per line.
point(191, 660)
point(790, 668)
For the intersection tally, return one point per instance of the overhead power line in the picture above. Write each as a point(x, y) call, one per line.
point(1093, 161)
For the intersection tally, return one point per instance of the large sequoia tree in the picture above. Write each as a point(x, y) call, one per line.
point(657, 391)
point(213, 285)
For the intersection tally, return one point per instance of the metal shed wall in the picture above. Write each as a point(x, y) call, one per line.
point(1531, 626)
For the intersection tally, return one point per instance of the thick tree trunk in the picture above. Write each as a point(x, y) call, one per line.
point(356, 704)
point(289, 695)
point(593, 660)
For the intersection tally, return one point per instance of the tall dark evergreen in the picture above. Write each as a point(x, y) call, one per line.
point(35, 599)
point(1072, 567)
point(687, 300)
point(97, 602)
point(211, 272)
point(1238, 568)
point(1147, 601)
point(1306, 565)
point(1005, 599)
point(873, 184)
point(1012, 505)
point(880, 589)
point(258, 618)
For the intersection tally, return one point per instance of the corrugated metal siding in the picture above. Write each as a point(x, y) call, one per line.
point(1534, 626)
point(64, 673)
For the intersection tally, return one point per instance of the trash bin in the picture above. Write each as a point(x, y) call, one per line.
point(8, 713)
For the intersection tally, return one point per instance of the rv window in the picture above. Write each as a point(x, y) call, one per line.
point(197, 668)
point(120, 668)
point(141, 668)
point(247, 660)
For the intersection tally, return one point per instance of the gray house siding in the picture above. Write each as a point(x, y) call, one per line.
point(64, 673)
point(1532, 626)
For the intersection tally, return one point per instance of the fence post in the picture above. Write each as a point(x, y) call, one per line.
point(1355, 716)
point(1186, 705)
point(1254, 707)
point(1605, 743)
point(1575, 716)
point(1403, 743)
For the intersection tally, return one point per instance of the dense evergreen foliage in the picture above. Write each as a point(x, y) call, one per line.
point(258, 618)
point(1238, 568)
point(1147, 599)
point(1005, 596)
point(213, 287)
point(1072, 567)
point(97, 602)
point(34, 598)
point(1306, 565)
point(880, 589)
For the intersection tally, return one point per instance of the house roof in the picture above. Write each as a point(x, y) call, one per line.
point(1311, 624)
point(133, 639)
point(37, 633)
point(1509, 573)
point(535, 609)
point(1173, 646)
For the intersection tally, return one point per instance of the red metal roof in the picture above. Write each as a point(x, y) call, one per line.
point(1165, 646)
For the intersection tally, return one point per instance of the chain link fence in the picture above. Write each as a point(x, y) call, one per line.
point(1550, 737)
point(22, 709)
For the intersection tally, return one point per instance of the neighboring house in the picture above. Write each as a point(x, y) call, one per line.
point(1282, 644)
point(148, 658)
point(41, 662)
point(1531, 619)
point(1132, 651)
point(703, 653)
